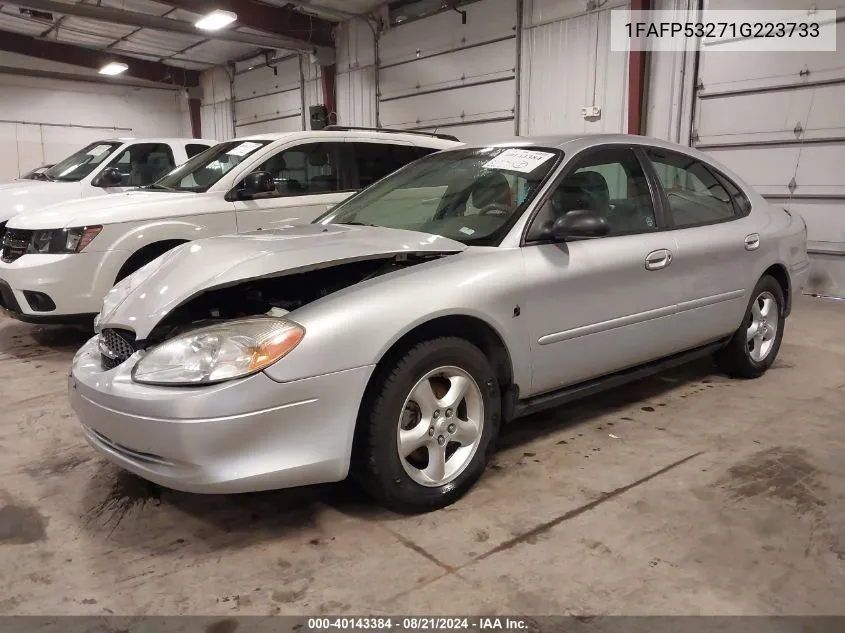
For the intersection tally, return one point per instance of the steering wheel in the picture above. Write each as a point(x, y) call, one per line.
point(496, 209)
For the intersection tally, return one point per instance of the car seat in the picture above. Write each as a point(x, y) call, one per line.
point(492, 189)
point(321, 183)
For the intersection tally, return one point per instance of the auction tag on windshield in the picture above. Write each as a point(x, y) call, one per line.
point(523, 160)
point(244, 148)
point(99, 149)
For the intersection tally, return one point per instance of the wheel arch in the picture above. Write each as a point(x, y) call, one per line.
point(471, 328)
point(780, 274)
point(146, 254)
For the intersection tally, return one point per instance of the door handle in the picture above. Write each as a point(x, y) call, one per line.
point(752, 242)
point(658, 259)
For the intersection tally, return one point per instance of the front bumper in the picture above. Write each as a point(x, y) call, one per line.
point(239, 436)
point(75, 284)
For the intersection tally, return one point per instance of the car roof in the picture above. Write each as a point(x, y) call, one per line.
point(416, 139)
point(156, 139)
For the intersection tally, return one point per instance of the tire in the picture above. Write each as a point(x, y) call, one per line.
point(410, 484)
point(742, 358)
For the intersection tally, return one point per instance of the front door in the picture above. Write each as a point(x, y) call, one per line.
point(310, 178)
point(600, 305)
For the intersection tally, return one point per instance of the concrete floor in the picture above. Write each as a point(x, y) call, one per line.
point(688, 493)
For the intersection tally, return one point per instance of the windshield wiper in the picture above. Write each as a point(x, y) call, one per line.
point(157, 187)
point(42, 176)
point(356, 224)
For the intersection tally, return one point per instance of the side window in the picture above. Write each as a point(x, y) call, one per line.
point(742, 205)
point(377, 160)
point(143, 163)
point(610, 182)
point(192, 149)
point(695, 194)
point(304, 170)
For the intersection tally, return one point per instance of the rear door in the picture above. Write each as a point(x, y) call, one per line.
point(600, 305)
point(716, 239)
point(310, 178)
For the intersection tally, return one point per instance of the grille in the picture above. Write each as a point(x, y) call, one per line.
point(115, 347)
point(15, 243)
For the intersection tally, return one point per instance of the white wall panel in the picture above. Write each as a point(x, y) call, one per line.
point(44, 120)
point(356, 76)
point(216, 106)
point(567, 64)
point(268, 98)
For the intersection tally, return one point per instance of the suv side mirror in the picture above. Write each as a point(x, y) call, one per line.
point(258, 182)
point(109, 177)
point(579, 223)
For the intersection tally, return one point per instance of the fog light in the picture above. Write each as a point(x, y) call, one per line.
point(38, 301)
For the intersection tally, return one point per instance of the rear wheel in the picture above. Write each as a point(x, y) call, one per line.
point(755, 345)
point(428, 431)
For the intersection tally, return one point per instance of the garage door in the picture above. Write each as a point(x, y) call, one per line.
point(437, 73)
point(777, 119)
point(268, 99)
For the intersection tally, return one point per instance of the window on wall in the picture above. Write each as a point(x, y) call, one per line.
point(143, 164)
point(377, 160)
point(307, 169)
point(696, 196)
point(610, 182)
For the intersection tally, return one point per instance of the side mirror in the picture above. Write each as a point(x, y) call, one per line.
point(579, 223)
point(258, 182)
point(109, 177)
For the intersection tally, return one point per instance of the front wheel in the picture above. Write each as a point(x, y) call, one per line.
point(755, 345)
point(427, 433)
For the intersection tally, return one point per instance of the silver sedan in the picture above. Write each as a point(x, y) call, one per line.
point(392, 338)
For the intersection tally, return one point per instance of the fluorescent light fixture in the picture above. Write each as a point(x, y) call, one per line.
point(114, 68)
point(216, 20)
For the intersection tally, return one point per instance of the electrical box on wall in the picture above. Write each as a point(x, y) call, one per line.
point(591, 113)
point(319, 116)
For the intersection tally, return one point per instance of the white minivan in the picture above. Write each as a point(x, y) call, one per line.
point(58, 262)
point(109, 166)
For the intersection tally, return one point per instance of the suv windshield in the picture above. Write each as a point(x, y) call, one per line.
point(205, 169)
point(470, 195)
point(79, 165)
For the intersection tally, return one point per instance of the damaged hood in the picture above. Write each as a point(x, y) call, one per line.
point(142, 300)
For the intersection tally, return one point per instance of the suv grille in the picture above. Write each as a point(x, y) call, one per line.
point(15, 243)
point(115, 347)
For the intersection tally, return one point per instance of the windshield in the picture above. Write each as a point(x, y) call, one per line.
point(76, 167)
point(470, 195)
point(205, 169)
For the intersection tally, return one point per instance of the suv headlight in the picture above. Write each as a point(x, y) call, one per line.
point(71, 240)
point(219, 352)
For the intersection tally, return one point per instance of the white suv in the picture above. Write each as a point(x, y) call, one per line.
point(57, 263)
point(109, 166)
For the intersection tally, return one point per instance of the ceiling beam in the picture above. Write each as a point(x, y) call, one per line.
point(96, 59)
point(148, 21)
point(280, 21)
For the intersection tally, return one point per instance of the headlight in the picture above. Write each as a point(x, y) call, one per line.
point(219, 352)
point(62, 240)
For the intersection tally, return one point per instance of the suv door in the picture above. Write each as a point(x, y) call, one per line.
point(595, 306)
point(715, 243)
point(309, 179)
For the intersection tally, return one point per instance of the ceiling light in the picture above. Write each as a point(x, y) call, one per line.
point(216, 20)
point(113, 68)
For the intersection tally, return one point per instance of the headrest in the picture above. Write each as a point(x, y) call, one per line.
point(490, 189)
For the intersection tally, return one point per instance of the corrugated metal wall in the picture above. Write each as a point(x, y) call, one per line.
point(356, 74)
